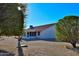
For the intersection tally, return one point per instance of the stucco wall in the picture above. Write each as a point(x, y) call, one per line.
point(48, 33)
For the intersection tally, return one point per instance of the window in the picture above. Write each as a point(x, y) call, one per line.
point(28, 34)
point(31, 34)
point(38, 33)
point(34, 34)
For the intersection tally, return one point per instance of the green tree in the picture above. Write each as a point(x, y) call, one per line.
point(12, 19)
point(68, 29)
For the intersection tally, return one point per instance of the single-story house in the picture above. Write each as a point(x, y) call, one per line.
point(41, 32)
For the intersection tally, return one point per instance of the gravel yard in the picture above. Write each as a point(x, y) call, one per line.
point(37, 48)
point(45, 48)
point(9, 46)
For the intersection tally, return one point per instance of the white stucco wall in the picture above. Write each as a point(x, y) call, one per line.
point(48, 33)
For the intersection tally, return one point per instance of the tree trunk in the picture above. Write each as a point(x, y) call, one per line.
point(73, 44)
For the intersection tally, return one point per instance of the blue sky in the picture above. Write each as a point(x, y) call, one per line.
point(46, 13)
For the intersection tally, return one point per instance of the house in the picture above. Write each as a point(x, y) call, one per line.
point(46, 32)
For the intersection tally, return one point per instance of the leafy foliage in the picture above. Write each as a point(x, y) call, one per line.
point(68, 29)
point(11, 19)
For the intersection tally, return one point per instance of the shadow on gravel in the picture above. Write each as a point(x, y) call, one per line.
point(73, 49)
point(6, 53)
point(20, 50)
point(39, 39)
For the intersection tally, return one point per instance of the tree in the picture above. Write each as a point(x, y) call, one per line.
point(68, 29)
point(12, 19)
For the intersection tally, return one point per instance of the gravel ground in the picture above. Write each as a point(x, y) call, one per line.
point(9, 45)
point(38, 48)
point(45, 48)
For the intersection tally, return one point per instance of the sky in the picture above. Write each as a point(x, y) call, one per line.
point(47, 13)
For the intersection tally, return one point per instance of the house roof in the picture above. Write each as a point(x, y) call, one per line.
point(40, 28)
